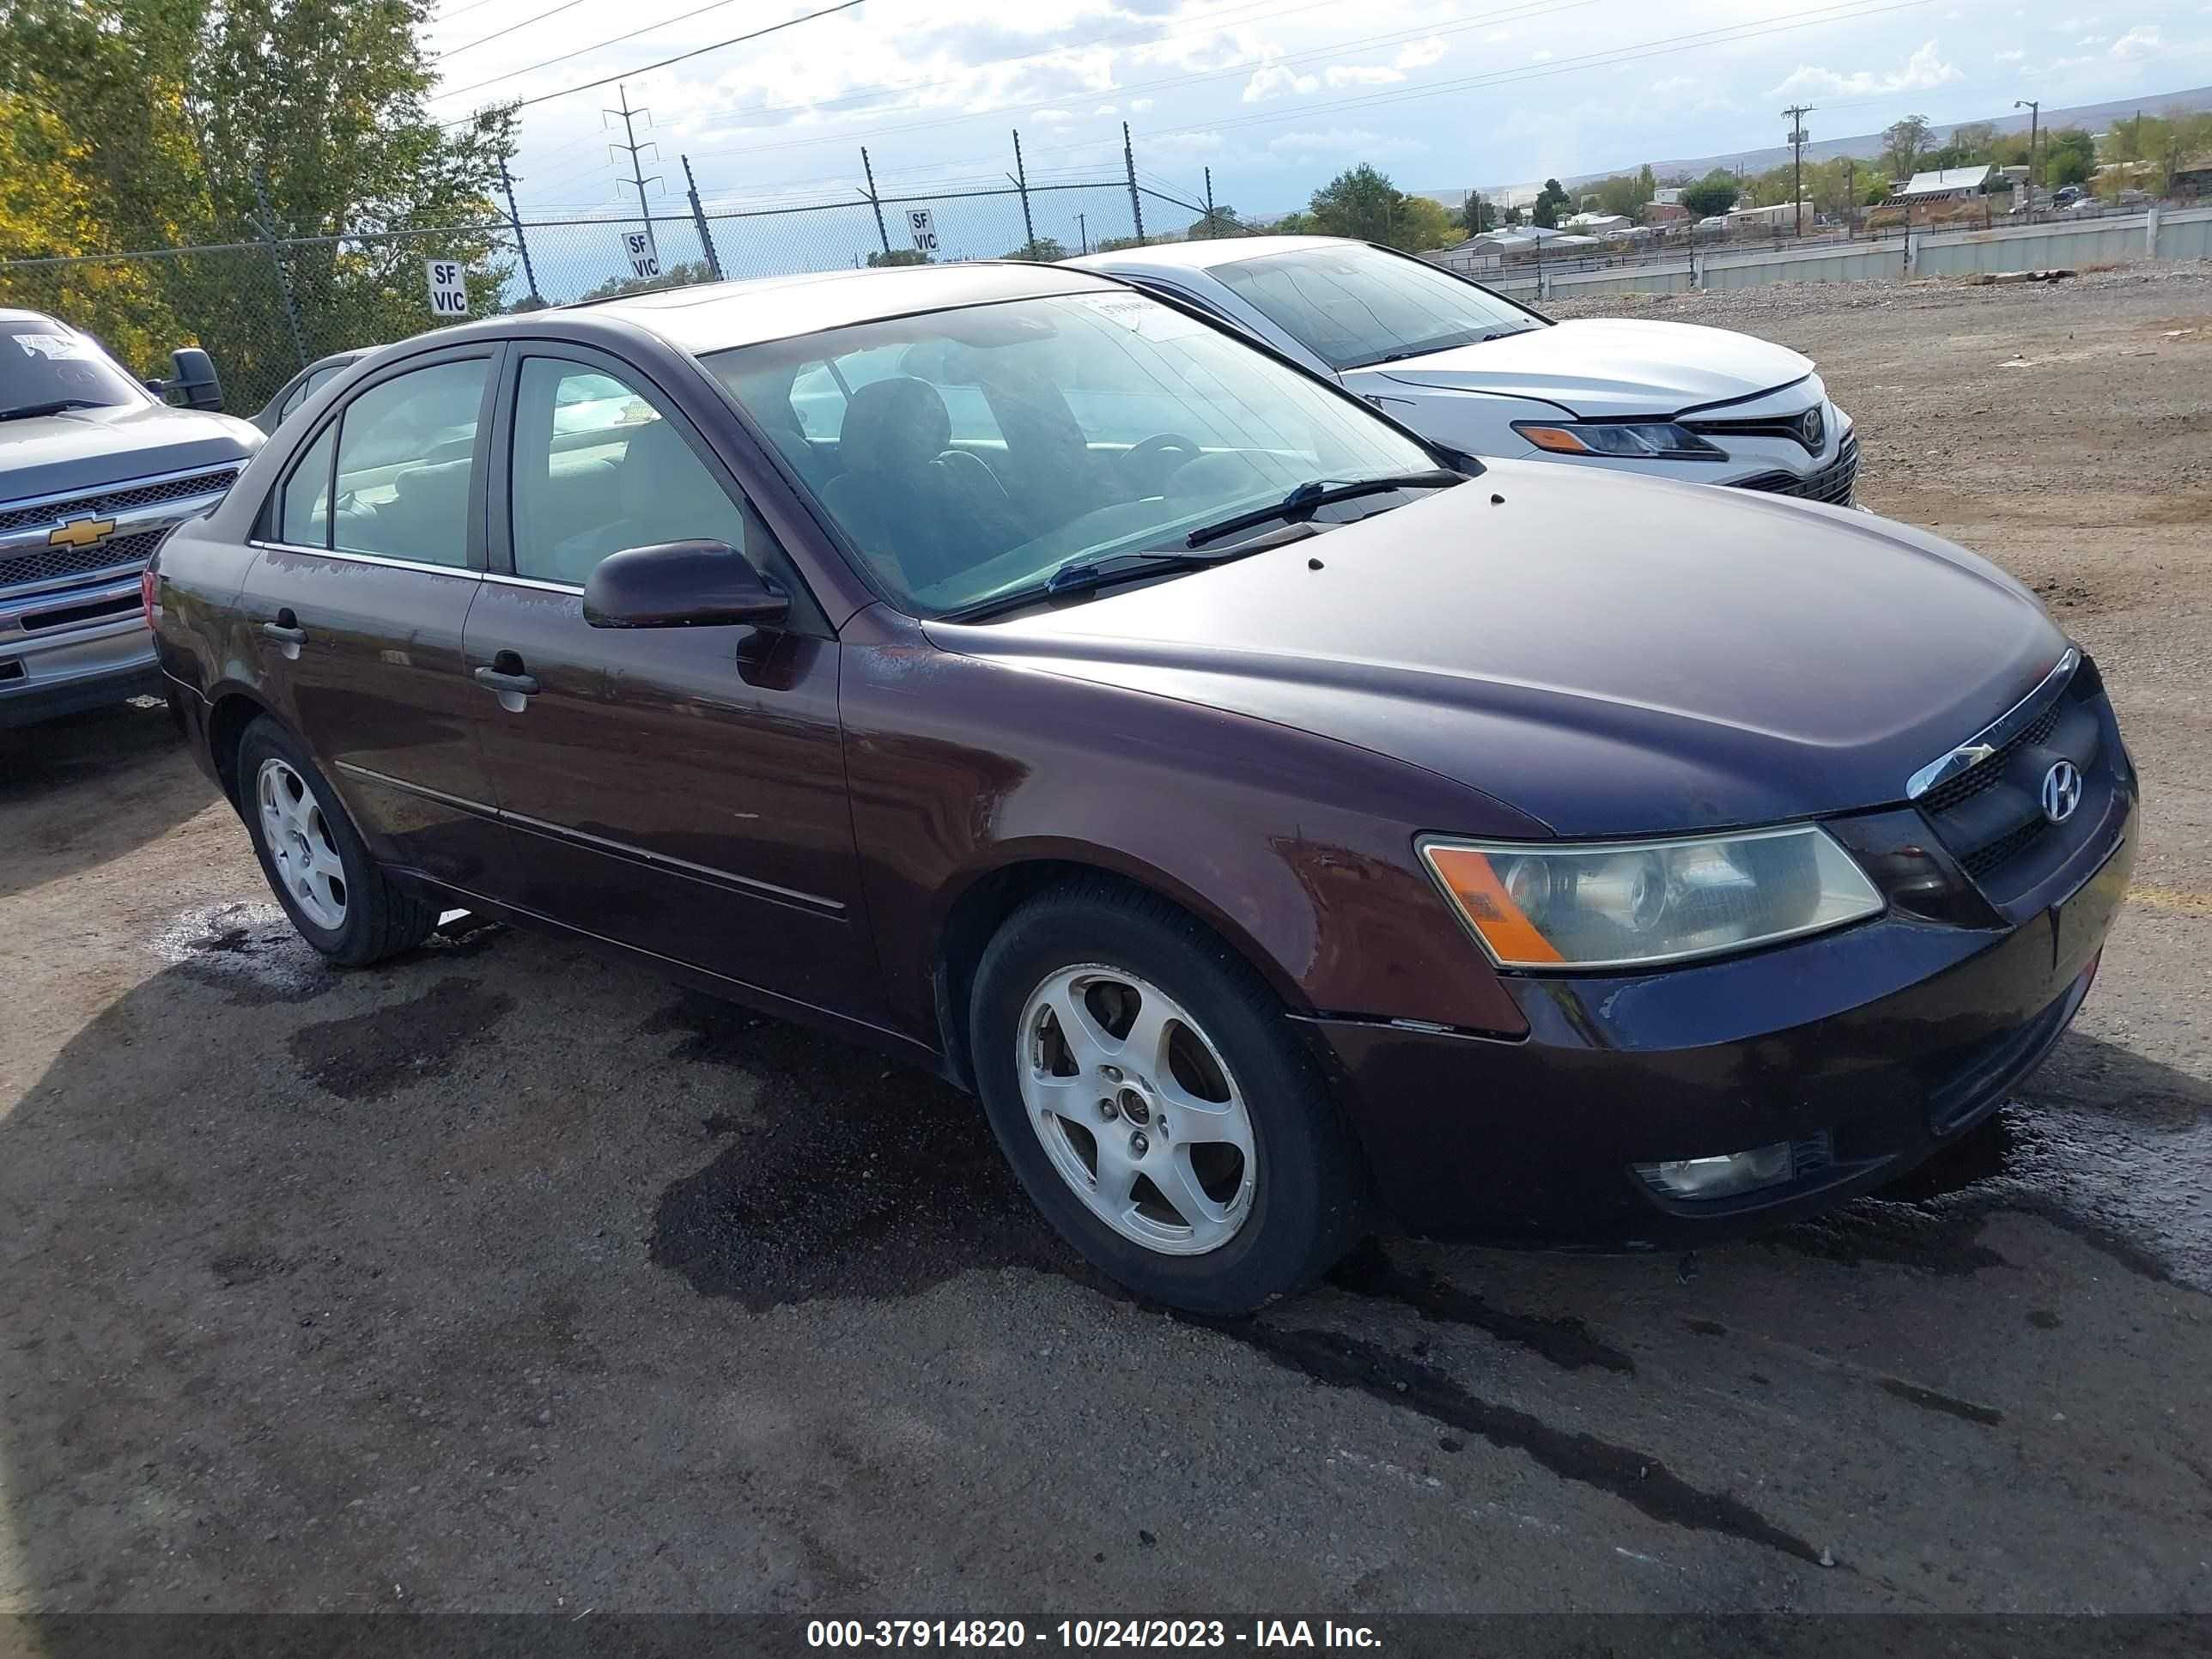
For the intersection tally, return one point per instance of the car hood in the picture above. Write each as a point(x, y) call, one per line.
point(87, 448)
point(1610, 655)
point(1612, 366)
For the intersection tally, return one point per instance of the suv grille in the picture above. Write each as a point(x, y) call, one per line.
point(1832, 483)
point(49, 562)
point(118, 500)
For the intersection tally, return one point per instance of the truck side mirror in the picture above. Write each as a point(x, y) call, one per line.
point(195, 377)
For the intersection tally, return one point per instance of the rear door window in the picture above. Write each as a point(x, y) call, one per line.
point(406, 463)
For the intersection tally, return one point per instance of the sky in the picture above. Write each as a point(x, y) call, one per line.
point(1275, 96)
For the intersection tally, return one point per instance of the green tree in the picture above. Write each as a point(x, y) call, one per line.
point(682, 274)
point(1549, 201)
point(1903, 142)
point(2070, 156)
point(1715, 192)
point(900, 256)
point(1044, 251)
point(1358, 202)
point(1224, 221)
point(1477, 213)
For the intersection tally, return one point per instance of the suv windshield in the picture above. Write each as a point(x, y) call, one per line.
point(46, 365)
point(969, 453)
point(1353, 305)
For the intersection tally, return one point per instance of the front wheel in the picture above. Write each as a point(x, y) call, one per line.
point(1147, 1088)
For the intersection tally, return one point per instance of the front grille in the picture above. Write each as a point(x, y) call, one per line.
point(1985, 772)
point(1832, 483)
point(120, 499)
point(1992, 856)
point(50, 563)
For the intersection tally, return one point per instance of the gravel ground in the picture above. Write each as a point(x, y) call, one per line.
point(502, 1278)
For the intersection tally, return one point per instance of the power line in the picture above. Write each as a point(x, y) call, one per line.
point(642, 69)
point(481, 40)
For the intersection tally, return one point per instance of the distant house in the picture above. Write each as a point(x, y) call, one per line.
point(1666, 195)
point(1660, 211)
point(2192, 176)
point(1596, 224)
point(1943, 185)
point(1782, 215)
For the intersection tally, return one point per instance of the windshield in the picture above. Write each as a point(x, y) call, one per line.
point(1353, 305)
point(968, 453)
point(43, 362)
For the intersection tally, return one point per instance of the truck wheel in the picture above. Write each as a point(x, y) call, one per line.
point(1145, 1086)
point(340, 901)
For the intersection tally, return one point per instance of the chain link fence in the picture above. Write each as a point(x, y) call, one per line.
point(265, 308)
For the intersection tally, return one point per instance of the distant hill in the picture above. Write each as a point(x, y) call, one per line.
point(2095, 116)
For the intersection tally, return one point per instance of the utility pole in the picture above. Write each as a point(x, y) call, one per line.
point(636, 173)
point(1850, 199)
point(515, 218)
point(1083, 230)
point(699, 219)
point(2034, 108)
point(1129, 162)
point(1022, 184)
point(882, 236)
point(1797, 113)
point(1209, 202)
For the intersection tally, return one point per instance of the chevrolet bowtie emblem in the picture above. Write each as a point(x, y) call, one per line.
point(80, 532)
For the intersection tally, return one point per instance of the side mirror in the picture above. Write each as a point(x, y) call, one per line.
point(680, 585)
point(195, 377)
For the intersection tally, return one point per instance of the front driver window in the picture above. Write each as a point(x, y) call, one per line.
point(597, 468)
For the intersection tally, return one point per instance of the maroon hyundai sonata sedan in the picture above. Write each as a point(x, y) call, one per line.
point(1278, 823)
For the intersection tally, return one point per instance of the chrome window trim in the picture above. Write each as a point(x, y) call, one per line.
point(17, 503)
point(1997, 733)
point(536, 584)
point(382, 560)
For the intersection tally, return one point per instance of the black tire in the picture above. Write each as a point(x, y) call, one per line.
point(382, 917)
point(1309, 1200)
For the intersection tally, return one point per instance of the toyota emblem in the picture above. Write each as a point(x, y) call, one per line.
point(1810, 431)
point(2061, 791)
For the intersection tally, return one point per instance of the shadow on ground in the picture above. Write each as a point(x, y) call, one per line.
point(77, 791)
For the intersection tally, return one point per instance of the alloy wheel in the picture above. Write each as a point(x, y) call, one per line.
point(298, 836)
point(1137, 1109)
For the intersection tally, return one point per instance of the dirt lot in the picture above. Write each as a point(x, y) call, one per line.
point(504, 1277)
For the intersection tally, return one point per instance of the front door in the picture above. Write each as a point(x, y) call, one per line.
point(359, 608)
point(681, 790)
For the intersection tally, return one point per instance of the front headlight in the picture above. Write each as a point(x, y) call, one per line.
point(1621, 441)
point(1636, 903)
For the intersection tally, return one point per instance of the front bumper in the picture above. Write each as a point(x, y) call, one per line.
point(43, 677)
point(1867, 1049)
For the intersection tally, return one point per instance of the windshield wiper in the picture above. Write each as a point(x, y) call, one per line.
point(26, 411)
point(1321, 492)
point(1084, 574)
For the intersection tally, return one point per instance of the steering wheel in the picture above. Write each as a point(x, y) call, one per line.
point(1147, 464)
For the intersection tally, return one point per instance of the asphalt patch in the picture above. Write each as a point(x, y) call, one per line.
point(1637, 1478)
point(1566, 1341)
point(844, 1175)
point(371, 1055)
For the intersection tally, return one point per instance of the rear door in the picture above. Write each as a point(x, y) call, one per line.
point(680, 790)
point(371, 553)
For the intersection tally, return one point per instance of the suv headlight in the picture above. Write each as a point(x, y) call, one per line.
point(1623, 904)
point(1621, 441)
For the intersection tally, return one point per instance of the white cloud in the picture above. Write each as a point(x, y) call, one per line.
point(2137, 42)
point(2074, 23)
point(1420, 54)
point(2012, 56)
point(1674, 86)
point(1921, 71)
point(1349, 144)
point(1050, 115)
point(1266, 83)
point(2091, 40)
point(1540, 57)
point(1140, 105)
point(1105, 109)
point(1361, 74)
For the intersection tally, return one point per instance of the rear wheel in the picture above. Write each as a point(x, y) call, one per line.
point(337, 898)
point(1145, 1086)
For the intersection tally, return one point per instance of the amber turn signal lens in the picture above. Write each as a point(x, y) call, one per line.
point(1557, 438)
point(1489, 909)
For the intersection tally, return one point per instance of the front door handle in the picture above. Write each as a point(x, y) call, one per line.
point(519, 684)
point(506, 675)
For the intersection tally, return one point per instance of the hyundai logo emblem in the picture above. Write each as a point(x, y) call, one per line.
point(2061, 791)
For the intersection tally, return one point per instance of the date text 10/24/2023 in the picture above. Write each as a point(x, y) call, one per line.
point(1084, 1634)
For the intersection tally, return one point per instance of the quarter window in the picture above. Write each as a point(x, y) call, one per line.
point(598, 468)
point(306, 520)
point(405, 463)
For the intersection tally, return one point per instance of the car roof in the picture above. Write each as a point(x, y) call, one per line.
point(714, 316)
point(12, 314)
point(1204, 255)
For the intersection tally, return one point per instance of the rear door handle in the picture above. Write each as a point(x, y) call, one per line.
point(519, 684)
point(287, 635)
point(287, 632)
